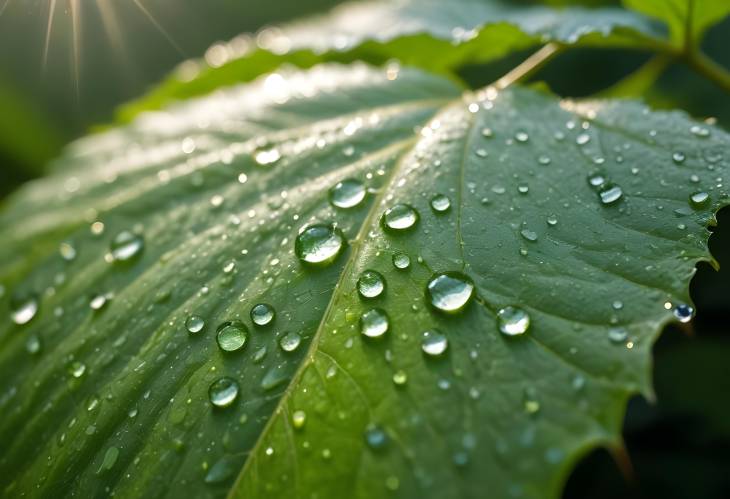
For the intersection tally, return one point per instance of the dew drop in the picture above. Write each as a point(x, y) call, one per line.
point(552, 220)
point(400, 378)
point(522, 136)
point(126, 246)
point(319, 244)
point(433, 343)
point(98, 301)
point(33, 345)
point(529, 235)
point(449, 291)
point(610, 194)
point(375, 437)
point(110, 459)
point(371, 284)
point(374, 323)
point(544, 160)
point(582, 139)
point(23, 309)
point(290, 342)
point(223, 392)
point(298, 419)
point(513, 321)
point(400, 217)
point(267, 156)
point(596, 180)
point(617, 335)
point(678, 157)
point(262, 314)
point(699, 199)
point(77, 369)
point(67, 251)
point(231, 336)
point(401, 261)
point(683, 313)
point(699, 131)
point(347, 194)
point(194, 324)
point(440, 203)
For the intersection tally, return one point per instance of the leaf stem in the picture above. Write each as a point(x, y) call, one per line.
point(708, 68)
point(530, 65)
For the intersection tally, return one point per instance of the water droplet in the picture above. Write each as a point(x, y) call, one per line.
point(298, 419)
point(290, 342)
point(223, 392)
point(231, 336)
point(371, 284)
point(347, 194)
point(319, 244)
point(23, 308)
point(375, 437)
point(374, 323)
point(98, 302)
point(513, 321)
point(528, 234)
point(596, 180)
point(110, 459)
point(399, 217)
point(699, 131)
point(678, 157)
point(262, 314)
point(582, 139)
point(67, 251)
point(522, 136)
point(617, 335)
point(552, 220)
point(684, 313)
point(267, 156)
point(449, 291)
point(126, 246)
point(544, 160)
point(434, 343)
point(440, 203)
point(617, 305)
point(194, 324)
point(400, 378)
point(401, 261)
point(610, 194)
point(77, 369)
point(487, 132)
point(699, 199)
point(221, 471)
point(33, 345)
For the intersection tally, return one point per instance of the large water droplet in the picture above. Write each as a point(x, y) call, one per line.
point(440, 203)
point(262, 314)
point(319, 244)
point(347, 194)
point(223, 392)
point(449, 291)
point(375, 437)
point(399, 217)
point(610, 194)
point(513, 321)
point(684, 313)
point(23, 308)
point(194, 324)
point(110, 459)
point(126, 245)
point(232, 336)
point(699, 199)
point(374, 323)
point(290, 342)
point(434, 343)
point(371, 284)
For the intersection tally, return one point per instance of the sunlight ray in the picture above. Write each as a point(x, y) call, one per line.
point(157, 25)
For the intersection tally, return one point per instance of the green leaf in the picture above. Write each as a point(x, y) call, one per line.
point(431, 34)
point(687, 19)
point(106, 390)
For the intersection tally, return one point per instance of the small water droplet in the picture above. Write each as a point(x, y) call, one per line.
point(290, 342)
point(23, 308)
point(298, 419)
point(400, 217)
point(513, 321)
point(434, 343)
point(77, 369)
point(699, 131)
point(684, 313)
point(610, 194)
point(617, 335)
point(126, 246)
point(699, 199)
point(521, 136)
point(110, 459)
point(375, 437)
point(67, 251)
point(33, 345)
point(319, 244)
point(400, 378)
point(449, 291)
point(371, 284)
point(262, 314)
point(374, 323)
point(596, 180)
point(582, 139)
point(678, 157)
point(544, 160)
point(552, 220)
point(194, 324)
point(267, 156)
point(487, 133)
point(347, 194)
point(98, 301)
point(617, 305)
point(528, 234)
point(401, 261)
point(440, 203)
point(231, 336)
point(223, 392)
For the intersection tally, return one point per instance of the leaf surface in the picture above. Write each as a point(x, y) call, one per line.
point(685, 18)
point(431, 34)
point(112, 394)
